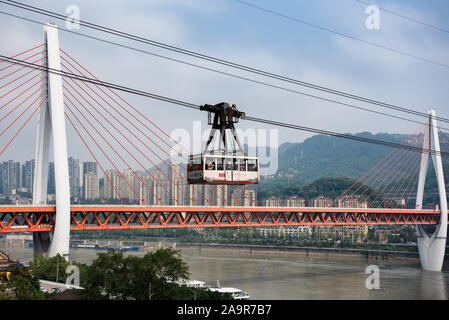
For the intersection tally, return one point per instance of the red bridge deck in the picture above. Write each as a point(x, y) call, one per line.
point(42, 218)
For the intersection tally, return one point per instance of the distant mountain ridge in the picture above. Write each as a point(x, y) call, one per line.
point(325, 156)
point(309, 163)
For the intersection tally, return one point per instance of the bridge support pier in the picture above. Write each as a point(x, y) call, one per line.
point(51, 126)
point(432, 247)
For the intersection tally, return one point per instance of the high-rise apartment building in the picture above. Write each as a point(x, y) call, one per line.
point(10, 176)
point(295, 201)
point(91, 186)
point(112, 183)
point(90, 167)
point(28, 175)
point(145, 190)
point(51, 188)
point(4, 175)
point(176, 178)
point(321, 201)
point(132, 188)
point(249, 197)
point(74, 177)
point(14, 175)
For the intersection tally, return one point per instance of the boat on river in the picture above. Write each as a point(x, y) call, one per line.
point(95, 246)
point(237, 294)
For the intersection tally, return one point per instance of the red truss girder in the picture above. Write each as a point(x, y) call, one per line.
point(27, 219)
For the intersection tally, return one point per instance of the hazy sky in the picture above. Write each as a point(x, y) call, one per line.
point(229, 30)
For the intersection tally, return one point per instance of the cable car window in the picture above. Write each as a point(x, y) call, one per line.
point(195, 163)
point(235, 164)
point(252, 165)
point(228, 164)
point(195, 160)
point(210, 163)
point(242, 165)
point(220, 164)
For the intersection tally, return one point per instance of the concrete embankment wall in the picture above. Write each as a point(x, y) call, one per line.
point(301, 251)
point(255, 249)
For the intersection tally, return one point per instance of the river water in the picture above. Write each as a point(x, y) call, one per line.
point(279, 275)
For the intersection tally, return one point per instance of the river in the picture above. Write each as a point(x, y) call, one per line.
point(277, 276)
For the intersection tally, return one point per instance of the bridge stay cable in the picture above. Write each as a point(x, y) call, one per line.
point(21, 94)
point(393, 159)
point(397, 162)
point(121, 133)
point(116, 152)
point(369, 175)
point(93, 156)
point(23, 114)
point(409, 159)
point(136, 118)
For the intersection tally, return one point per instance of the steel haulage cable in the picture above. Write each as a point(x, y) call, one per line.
point(217, 60)
point(197, 107)
point(224, 73)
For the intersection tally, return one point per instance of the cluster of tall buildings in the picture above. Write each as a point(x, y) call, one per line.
point(317, 202)
point(83, 180)
point(17, 178)
point(152, 187)
point(355, 233)
point(169, 187)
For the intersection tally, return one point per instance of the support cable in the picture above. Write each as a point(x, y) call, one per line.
point(117, 131)
point(23, 112)
point(92, 154)
point(20, 129)
point(396, 158)
point(216, 60)
point(138, 149)
point(396, 170)
point(21, 94)
point(250, 118)
point(110, 146)
point(101, 149)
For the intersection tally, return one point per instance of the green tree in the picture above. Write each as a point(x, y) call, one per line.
point(54, 269)
point(21, 285)
point(51, 269)
point(153, 276)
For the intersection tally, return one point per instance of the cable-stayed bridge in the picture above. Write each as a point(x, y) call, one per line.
point(47, 83)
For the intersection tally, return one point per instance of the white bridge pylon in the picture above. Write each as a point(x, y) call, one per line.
point(51, 127)
point(432, 247)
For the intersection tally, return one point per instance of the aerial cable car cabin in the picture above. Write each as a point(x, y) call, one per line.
point(224, 165)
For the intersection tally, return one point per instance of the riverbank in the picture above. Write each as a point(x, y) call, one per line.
point(253, 249)
point(248, 249)
point(301, 251)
